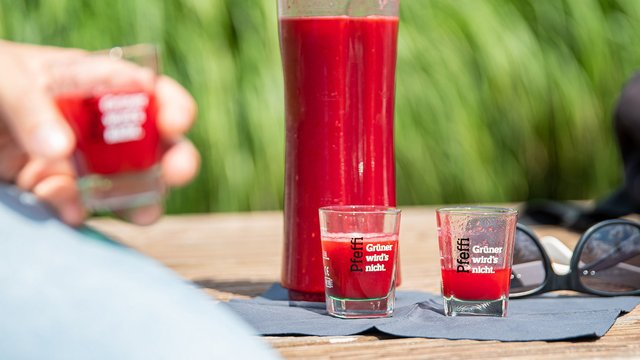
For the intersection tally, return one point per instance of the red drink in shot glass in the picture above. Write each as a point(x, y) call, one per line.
point(476, 254)
point(359, 265)
point(117, 140)
point(359, 252)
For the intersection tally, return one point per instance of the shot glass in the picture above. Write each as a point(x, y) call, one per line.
point(117, 140)
point(359, 254)
point(476, 254)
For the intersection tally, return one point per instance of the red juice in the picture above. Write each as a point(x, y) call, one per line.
point(473, 286)
point(339, 75)
point(359, 266)
point(115, 133)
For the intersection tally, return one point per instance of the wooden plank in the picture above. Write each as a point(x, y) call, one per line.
point(239, 255)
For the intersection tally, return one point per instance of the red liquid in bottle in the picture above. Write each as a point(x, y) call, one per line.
point(369, 279)
point(115, 133)
point(469, 286)
point(339, 77)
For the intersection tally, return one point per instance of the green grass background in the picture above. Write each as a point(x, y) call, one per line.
point(497, 100)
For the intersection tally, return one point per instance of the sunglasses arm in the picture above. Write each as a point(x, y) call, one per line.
point(559, 254)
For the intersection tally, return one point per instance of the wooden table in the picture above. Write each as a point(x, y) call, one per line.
point(238, 255)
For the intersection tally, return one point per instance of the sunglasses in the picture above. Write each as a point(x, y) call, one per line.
point(606, 262)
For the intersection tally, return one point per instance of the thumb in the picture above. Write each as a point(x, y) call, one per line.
point(33, 118)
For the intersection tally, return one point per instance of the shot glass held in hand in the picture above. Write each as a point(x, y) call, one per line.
point(476, 253)
point(359, 253)
point(118, 145)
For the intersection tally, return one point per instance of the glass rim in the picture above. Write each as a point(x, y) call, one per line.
point(142, 54)
point(299, 8)
point(125, 51)
point(477, 210)
point(359, 209)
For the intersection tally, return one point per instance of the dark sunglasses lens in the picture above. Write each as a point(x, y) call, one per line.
point(528, 272)
point(610, 259)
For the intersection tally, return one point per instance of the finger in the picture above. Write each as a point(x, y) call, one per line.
point(60, 192)
point(176, 108)
point(12, 159)
point(38, 169)
point(39, 53)
point(145, 215)
point(180, 163)
point(95, 75)
point(32, 116)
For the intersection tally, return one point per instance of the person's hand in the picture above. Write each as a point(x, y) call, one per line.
point(36, 142)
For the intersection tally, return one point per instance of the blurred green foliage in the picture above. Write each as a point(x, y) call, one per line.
point(497, 100)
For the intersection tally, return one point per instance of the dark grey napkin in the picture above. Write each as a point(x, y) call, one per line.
point(420, 314)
